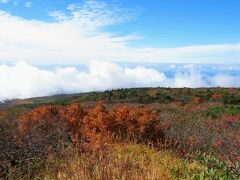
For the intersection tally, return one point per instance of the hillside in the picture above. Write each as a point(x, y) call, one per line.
point(140, 133)
point(136, 95)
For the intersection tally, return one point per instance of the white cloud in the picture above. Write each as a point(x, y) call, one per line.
point(15, 3)
point(28, 4)
point(92, 14)
point(23, 80)
point(225, 80)
point(190, 78)
point(80, 36)
point(4, 1)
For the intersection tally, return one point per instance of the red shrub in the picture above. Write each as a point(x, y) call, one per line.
point(217, 144)
point(28, 121)
point(41, 131)
point(93, 128)
point(196, 100)
point(231, 118)
point(216, 96)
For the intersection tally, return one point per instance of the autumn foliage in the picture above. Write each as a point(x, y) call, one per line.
point(92, 128)
point(196, 100)
point(216, 96)
point(40, 135)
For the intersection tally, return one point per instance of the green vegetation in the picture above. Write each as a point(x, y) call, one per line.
point(139, 95)
point(140, 133)
point(217, 111)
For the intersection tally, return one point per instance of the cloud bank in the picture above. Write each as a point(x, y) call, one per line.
point(81, 34)
point(24, 81)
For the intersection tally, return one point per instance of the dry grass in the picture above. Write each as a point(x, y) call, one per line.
point(121, 161)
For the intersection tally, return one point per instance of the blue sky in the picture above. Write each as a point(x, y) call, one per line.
point(162, 23)
point(68, 32)
point(180, 22)
point(140, 31)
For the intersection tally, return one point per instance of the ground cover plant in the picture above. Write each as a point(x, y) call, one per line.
point(150, 133)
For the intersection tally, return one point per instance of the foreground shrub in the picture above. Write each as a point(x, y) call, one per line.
point(8, 146)
point(41, 131)
point(88, 129)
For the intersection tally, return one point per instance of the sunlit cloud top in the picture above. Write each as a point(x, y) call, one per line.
point(82, 32)
point(119, 44)
point(100, 76)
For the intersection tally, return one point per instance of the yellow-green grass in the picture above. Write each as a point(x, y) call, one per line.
point(120, 161)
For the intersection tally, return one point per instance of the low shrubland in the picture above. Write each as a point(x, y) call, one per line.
point(197, 139)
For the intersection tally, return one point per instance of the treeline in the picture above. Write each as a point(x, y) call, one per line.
point(158, 95)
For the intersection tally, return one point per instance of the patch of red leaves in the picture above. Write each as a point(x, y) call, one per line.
point(216, 96)
point(217, 144)
point(231, 119)
point(90, 128)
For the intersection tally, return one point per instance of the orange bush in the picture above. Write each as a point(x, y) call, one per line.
point(139, 122)
point(217, 143)
point(196, 100)
point(29, 120)
point(41, 132)
point(216, 96)
point(95, 127)
point(3, 114)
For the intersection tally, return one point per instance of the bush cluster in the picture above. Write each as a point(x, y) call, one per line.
point(89, 128)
